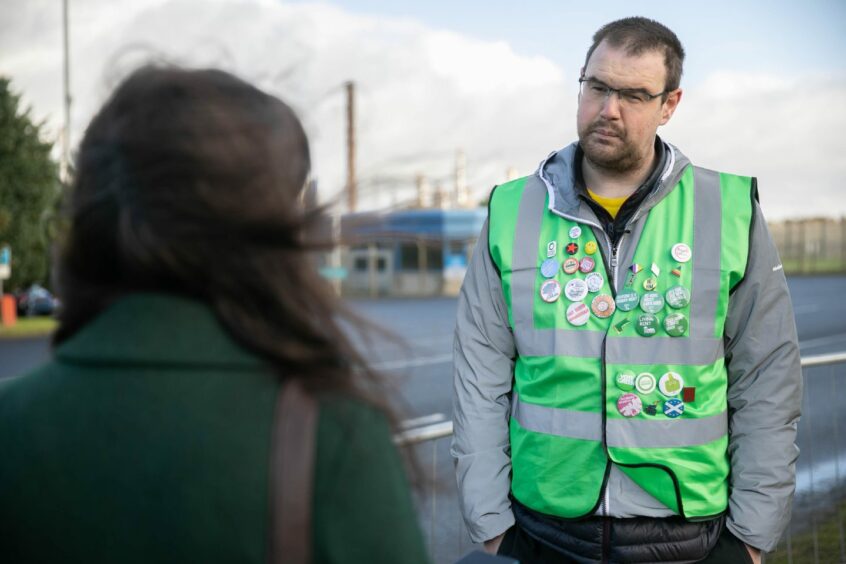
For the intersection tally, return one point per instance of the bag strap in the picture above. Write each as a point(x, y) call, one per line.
point(292, 474)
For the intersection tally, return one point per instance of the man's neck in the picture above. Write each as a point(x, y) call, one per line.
point(613, 184)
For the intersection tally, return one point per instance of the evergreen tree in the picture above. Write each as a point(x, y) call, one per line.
point(29, 189)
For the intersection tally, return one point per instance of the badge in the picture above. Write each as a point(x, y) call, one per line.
point(572, 248)
point(671, 384)
point(575, 232)
point(621, 325)
point(647, 325)
point(651, 409)
point(676, 272)
point(603, 306)
point(688, 394)
point(594, 282)
point(629, 405)
point(549, 267)
point(645, 383)
point(673, 408)
point(550, 290)
point(681, 252)
point(576, 290)
point(652, 302)
point(675, 324)
point(551, 249)
point(578, 314)
point(650, 284)
point(677, 297)
point(625, 380)
point(587, 264)
point(627, 300)
point(590, 247)
point(570, 266)
point(655, 270)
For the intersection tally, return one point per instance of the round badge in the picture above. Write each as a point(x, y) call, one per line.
point(576, 290)
point(590, 247)
point(627, 300)
point(645, 383)
point(570, 265)
point(625, 380)
point(671, 384)
point(629, 405)
point(673, 408)
point(575, 232)
point(549, 267)
point(572, 248)
point(578, 314)
point(675, 324)
point(681, 252)
point(603, 306)
point(652, 302)
point(677, 296)
point(646, 325)
point(550, 290)
point(650, 284)
point(594, 282)
point(587, 264)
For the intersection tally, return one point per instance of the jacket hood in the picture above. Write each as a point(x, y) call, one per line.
point(557, 172)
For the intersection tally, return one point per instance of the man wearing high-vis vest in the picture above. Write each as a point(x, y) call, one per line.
point(627, 378)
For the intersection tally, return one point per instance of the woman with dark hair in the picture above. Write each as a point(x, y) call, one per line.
point(190, 299)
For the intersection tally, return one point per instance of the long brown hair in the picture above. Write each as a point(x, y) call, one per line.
point(189, 182)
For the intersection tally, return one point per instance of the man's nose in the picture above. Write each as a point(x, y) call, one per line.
point(611, 106)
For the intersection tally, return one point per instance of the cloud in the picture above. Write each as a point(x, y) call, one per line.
point(422, 94)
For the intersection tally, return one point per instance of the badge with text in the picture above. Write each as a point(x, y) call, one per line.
point(681, 252)
point(550, 290)
point(629, 405)
point(549, 268)
point(575, 232)
point(594, 282)
point(576, 290)
point(645, 383)
point(578, 314)
point(570, 266)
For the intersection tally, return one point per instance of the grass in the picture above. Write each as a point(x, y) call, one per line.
point(802, 545)
point(28, 327)
point(813, 266)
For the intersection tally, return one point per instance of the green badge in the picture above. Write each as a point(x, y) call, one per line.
point(675, 324)
point(625, 380)
point(627, 300)
point(650, 284)
point(652, 302)
point(647, 325)
point(678, 296)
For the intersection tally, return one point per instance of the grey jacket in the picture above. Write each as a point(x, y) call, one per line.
point(761, 351)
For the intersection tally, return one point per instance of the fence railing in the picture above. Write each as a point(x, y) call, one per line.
point(816, 531)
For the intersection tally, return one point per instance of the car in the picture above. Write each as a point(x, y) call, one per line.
point(36, 300)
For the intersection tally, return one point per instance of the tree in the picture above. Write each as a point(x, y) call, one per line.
point(29, 189)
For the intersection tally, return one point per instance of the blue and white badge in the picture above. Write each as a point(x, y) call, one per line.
point(575, 232)
point(549, 267)
point(673, 408)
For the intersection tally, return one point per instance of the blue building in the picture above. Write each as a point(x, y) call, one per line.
point(418, 252)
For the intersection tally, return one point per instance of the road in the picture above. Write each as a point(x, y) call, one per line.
point(419, 371)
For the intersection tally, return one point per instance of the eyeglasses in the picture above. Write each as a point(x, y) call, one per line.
point(594, 91)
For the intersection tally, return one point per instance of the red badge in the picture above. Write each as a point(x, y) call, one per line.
point(688, 394)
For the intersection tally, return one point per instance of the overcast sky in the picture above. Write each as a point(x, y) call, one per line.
point(765, 81)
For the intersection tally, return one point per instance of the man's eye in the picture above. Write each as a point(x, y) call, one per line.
point(597, 89)
point(634, 97)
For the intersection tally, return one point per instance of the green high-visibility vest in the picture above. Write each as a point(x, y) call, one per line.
point(569, 419)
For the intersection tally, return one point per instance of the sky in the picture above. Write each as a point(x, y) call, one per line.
point(764, 83)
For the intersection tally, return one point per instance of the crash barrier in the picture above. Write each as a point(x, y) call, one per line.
point(816, 530)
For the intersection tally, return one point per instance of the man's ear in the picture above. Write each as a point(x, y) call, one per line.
point(670, 105)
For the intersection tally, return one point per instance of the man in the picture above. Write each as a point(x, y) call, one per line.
point(627, 371)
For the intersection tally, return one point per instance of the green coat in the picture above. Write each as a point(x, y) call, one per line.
point(147, 439)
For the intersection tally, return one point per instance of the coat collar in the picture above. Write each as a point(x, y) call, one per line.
point(156, 329)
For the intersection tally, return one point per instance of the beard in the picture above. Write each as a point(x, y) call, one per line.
point(617, 154)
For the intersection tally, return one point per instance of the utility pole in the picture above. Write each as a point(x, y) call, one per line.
point(64, 169)
point(351, 183)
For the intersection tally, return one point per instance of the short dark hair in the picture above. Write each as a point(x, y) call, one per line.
point(638, 35)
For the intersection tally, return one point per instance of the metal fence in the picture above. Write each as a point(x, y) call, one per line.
point(816, 531)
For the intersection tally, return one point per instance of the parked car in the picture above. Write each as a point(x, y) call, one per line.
point(36, 300)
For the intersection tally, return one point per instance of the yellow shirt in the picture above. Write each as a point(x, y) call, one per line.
point(611, 205)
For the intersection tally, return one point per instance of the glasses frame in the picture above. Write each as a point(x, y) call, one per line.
point(620, 92)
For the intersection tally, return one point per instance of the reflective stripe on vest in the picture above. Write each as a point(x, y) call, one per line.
point(565, 426)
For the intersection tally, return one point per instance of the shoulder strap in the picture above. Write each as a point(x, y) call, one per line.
point(292, 474)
